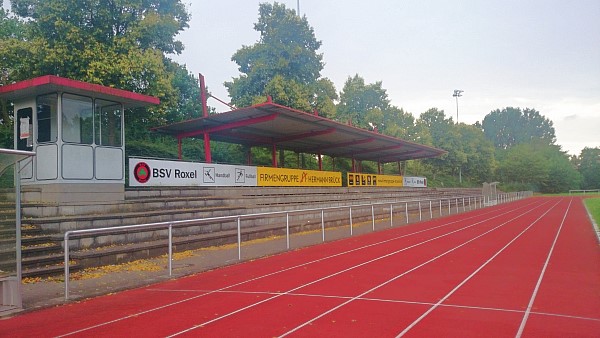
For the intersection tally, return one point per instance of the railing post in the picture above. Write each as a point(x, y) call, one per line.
point(239, 233)
point(287, 229)
point(457, 206)
point(373, 215)
point(406, 211)
point(391, 215)
point(350, 220)
point(66, 265)
point(440, 207)
point(170, 255)
point(464, 209)
point(430, 210)
point(323, 223)
point(420, 218)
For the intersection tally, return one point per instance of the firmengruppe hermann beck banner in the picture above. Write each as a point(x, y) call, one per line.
point(149, 172)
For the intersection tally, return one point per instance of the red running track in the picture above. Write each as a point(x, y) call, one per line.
point(529, 268)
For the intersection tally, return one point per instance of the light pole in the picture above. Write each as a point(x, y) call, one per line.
point(457, 94)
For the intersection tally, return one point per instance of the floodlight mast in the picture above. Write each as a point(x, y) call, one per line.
point(457, 94)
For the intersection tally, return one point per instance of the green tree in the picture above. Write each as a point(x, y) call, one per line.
point(284, 64)
point(538, 167)
point(11, 29)
point(113, 43)
point(511, 126)
point(480, 154)
point(362, 104)
point(589, 168)
point(445, 136)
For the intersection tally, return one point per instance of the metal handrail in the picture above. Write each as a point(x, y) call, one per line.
point(500, 198)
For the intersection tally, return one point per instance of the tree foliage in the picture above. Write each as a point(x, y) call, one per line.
point(284, 64)
point(589, 167)
point(117, 43)
point(360, 103)
point(125, 43)
point(539, 167)
point(511, 126)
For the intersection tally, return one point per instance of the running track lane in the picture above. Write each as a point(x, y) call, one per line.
point(383, 308)
point(136, 304)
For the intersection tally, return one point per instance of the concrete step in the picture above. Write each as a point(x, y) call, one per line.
point(158, 247)
point(36, 210)
point(62, 224)
point(49, 222)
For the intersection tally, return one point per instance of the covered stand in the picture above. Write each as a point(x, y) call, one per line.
point(279, 127)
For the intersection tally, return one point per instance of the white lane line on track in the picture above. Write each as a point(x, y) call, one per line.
point(443, 299)
point(403, 274)
point(539, 282)
point(382, 300)
point(284, 270)
point(340, 272)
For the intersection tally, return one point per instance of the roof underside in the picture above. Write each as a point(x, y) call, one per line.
point(267, 124)
point(51, 84)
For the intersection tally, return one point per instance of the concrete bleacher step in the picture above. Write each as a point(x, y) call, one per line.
point(60, 224)
point(143, 250)
point(49, 222)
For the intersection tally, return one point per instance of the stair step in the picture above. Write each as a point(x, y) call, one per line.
point(138, 214)
point(56, 270)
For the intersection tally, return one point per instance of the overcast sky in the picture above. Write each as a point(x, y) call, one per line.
point(541, 54)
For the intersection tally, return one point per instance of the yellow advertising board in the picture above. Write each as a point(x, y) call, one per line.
point(284, 177)
point(371, 180)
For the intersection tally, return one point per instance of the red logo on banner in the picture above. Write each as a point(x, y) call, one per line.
point(141, 172)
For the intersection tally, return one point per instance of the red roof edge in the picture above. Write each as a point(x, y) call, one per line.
point(69, 83)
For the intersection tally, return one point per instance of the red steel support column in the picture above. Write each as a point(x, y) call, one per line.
point(179, 151)
point(203, 95)
point(207, 155)
point(353, 165)
point(249, 156)
point(379, 167)
point(320, 161)
point(274, 156)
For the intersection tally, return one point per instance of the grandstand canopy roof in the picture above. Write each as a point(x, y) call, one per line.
point(269, 123)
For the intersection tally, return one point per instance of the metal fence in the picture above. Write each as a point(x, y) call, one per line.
point(585, 191)
point(439, 206)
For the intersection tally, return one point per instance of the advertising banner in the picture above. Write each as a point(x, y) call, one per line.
point(415, 182)
point(369, 180)
point(283, 177)
point(147, 172)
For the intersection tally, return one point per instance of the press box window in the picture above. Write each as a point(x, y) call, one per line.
point(77, 119)
point(108, 123)
point(25, 129)
point(47, 111)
